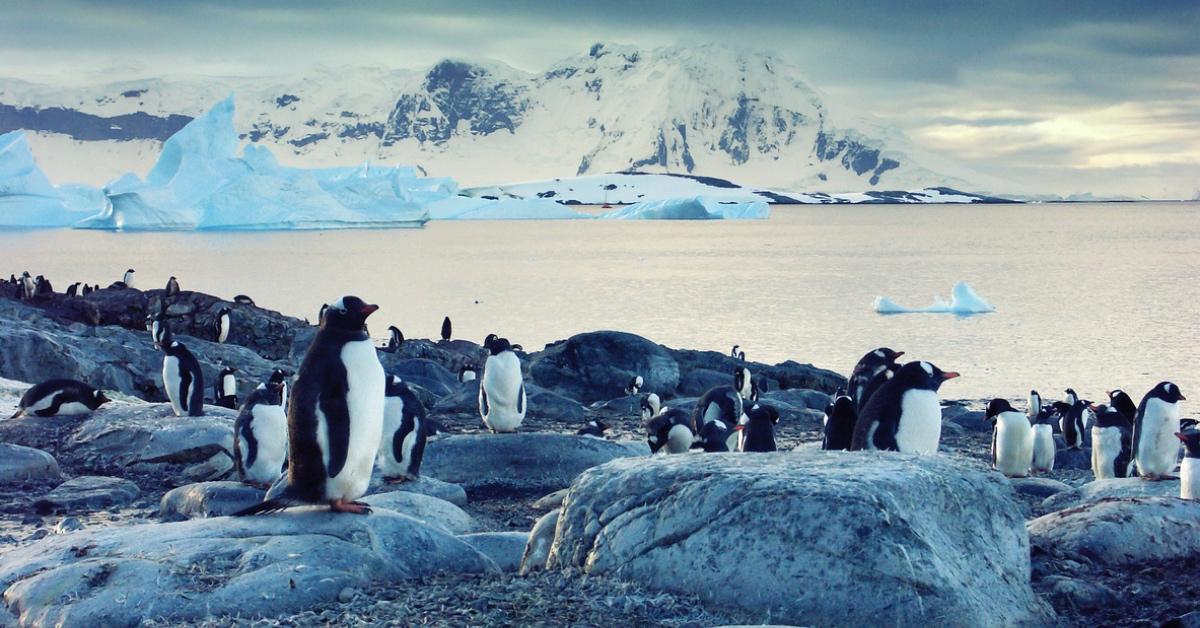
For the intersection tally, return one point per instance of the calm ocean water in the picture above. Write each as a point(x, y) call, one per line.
point(1092, 296)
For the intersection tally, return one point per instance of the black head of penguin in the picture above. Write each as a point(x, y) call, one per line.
point(760, 428)
point(499, 345)
point(275, 392)
point(321, 314)
point(1071, 396)
point(1166, 391)
point(996, 407)
point(1107, 416)
point(348, 314)
point(1191, 442)
point(1122, 403)
point(922, 376)
point(713, 437)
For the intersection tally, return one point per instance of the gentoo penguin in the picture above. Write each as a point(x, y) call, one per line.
point(1189, 469)
point(719, 403)
point(502, 391)
point(872, 364)
point(128, 280)
point(87, 289)
point(904, 414)
point(651, 405)
point(225, 389)
point(172, 286)
point(160, 328)
point(335, 418)
point(635, 385)
point(715, 436)
point(260, 439)
point(73, 289)
point(1035, 407)
point(446, 328)
point(44, 287)
point(840, 417)
point(743, 382)
point(758, 433)
point(1044, 447)
point(1121, 402)
point(594, 428)
point(395, 339)
point(467, 373)
point(59, 397)
point(402, 444)
point(242, 299)
point(28, 286)
point(223, 325)
point(182, 379)
point(1112, 444)
point(737, 354)
point(672, 429)
point(1073, 421)
point(1154, 445)
point(1012, 439)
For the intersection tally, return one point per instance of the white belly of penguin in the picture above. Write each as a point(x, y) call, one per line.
point(1158, 448)
point(224, 329)
point(364, 401)
point(1043, 448)
point(679, 439)
point(502, 383)
point(228, 385)
point(72, 408)
point(1014, 444)
point(170, 375)
point(1189, 478)
point(270, 433)
point(1106, 446)
point(920, 426)
point(393, 418)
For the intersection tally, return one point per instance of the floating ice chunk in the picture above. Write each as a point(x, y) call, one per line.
point(696, 208)
point(964, 302)
point(27, 199)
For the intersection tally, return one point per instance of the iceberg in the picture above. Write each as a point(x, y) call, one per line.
point(695, 208)
point(27, 199)
point(467, 208)
point(963, 302)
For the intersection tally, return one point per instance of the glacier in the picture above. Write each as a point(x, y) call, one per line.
point(963, 302)
point(27, 198)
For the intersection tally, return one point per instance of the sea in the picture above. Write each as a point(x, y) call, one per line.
point(1093, 296)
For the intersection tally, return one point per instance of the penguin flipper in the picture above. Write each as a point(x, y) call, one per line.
point(185, 382)
point(267, 507)
point(994, 461)
point(337, 418)
point(483, 401)
point(521, 400)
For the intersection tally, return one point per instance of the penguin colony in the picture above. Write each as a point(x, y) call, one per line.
point(317, 438)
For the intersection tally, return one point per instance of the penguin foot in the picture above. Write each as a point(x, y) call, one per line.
point(396, 479)
point(341, 505)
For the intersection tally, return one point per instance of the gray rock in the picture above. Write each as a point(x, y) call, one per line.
point(1122, 531)
point(425, 373)
point(696, 382)
point(789, 374)
point(424, 485)
point(965, 417)
point(251, 567)
point(1075, 593)
point(91, 492)
point(540, 541)
point(598, 365)
point(543, 403)
point(527, 460)
point(207, 499)
point(1190, 620)
point(22, 464)
point(553, 500)
point(1038, 487)
point(432, 511)
point(800, 398)
point(505, 548)
point(68, 524)
point(1073, 458)
point(898, 544)
point(151, 434)
point(1113, 487)
point(629, 405)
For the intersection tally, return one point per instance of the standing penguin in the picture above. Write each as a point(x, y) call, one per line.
point(28, 286)
point(1189, 469)
point(1035, 407)
point(446, 328)
point(467, 373)
point(172, 286)
point(73, 289)
point(840, 418)
point(223, 325)
point(872, 364)
point(719, 403)
point(1121, 402)
point(635, 385)
point(225, 389)
point(260, 439)
point(87, 289)
point(743, 382)
point(402, 444)
point(128, 280)
point(650, 406)
point(1112, 444)
point(59, 397)
point(904, 414)
point(182, 379)
point(502, 391)
point(1044, 447)
point(335, 418)
point(670, 428)
point(758, 434)
point(1073, 422)
point(159, 327)
point(1012, 439)
point(242, 299)
point(395, 339)
point(737, 354)
point(1154, 445)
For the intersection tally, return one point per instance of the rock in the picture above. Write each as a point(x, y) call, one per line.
point(1113, 487)
point(207, 499)
point(347, 595)
point(800, 398)
point(25, 464)
point(151, 435)
point(696, 382)
point(965, 417)
point(89, 492)
point(1121, 531)
point(1190, 620)
point(423, 485)
point(432, 511)
point(597, 365)
point(525, 460)
point(425, 373)
point(1075, 593)
point(505, 548)
point(628, 405)
point(543, 403)
point(1038, 487)
point(68, 524)
point(784, 375)
point(553, 500)
point(1073, 458)
point(897, 543)
point(541, 540)
point(252, 567)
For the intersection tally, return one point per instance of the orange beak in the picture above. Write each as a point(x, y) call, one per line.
point(368, 310)
point(950, 375)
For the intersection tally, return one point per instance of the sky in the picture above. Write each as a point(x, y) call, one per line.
point(1059, 96)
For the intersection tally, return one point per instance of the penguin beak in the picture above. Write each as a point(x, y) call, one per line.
point(1182, 398)
point(1180, 436)
point(898, 354)
point(368, 309)
point(950, 375)
point(738, 428)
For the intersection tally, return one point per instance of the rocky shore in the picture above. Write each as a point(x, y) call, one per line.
point(116, 518)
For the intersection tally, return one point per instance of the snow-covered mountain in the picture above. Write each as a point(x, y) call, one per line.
point(704, 110)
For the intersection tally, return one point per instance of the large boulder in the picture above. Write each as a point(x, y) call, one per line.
point(438, 513)
point(598, 365)
point(504, 548)
point(150, 435)
point(90, 492)
point(423, 372)
point(893, 539)
point(1114, 532)
point(799, 398)
point(207, 499)
point(25, 464)
point(522, 460)
point(1114, 487)
point(542, 403)
point(252, 567)
point(424, 485)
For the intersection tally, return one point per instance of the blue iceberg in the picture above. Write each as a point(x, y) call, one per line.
point(696, 208)
point(27, 199)
point(963, 302)
point(467, 208)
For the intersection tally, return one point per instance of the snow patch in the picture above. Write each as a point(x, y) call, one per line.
point(964, 302)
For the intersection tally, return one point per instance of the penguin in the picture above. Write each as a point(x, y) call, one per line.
point(86, 290)
point(1035, 407)
point(671, 429)
point(73, 289)
point(743, 382)
point(502, 391)
point(1044, 447)
point(880, 379)
point(395, 339)
point(242, 299)
point(225, 389)
point(172, 288)
point(321, 315)
point(446, 328)
point(1189, 468)
point(635, 385)
point(467, 373)
point(1112, 444)
point(758, 432)
point(737, 354)
point(335, 416)
point(840, 417)
point(260, 438)
point(1121, 402)
point(719, 403)
point(1012, 439)
point(715, 436)
point(222, 325)
point(650, 405)
point(59, 397)
point(402, 444)
point(1154, 448)
point(28, 286)
point(869, 366)
point(159, 327)
point(44, 288)
point(594, 428)
point(279, 376)
point(1073, 421)
point(904, 414)
point(127, 281)
point(182, 379)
